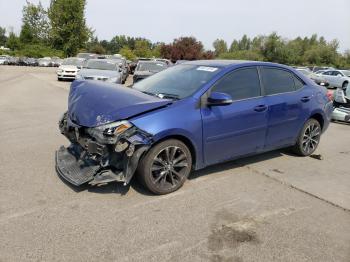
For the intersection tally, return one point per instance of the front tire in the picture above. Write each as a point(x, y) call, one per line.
point(308, 139)
point(165, 167)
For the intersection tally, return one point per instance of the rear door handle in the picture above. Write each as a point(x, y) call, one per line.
point(305, 99)
point(260, 108)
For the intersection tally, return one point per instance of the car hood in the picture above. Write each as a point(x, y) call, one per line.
point(68, 67)
point(92, 103)
point(101, 73)
point(144, 73)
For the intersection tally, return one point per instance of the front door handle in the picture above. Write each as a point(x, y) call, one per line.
point(260, 108)
point(305, 99)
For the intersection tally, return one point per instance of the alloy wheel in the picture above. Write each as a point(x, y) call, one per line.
point(311, 138)
point(169, 167)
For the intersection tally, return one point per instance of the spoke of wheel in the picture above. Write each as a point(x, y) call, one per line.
point(171, 178)
point(179, 158)
point(156, 168)
point(160, 161)
point(167, 154)
point(161, 175)
point(181, 164)
point(177, 174)
point(172, 153)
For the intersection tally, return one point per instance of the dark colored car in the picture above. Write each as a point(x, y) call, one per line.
point(145, 69)
point(186, 118)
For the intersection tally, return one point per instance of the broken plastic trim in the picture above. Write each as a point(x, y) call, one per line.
point(110, 162)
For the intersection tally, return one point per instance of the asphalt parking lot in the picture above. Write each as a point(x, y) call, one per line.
point(271, 207)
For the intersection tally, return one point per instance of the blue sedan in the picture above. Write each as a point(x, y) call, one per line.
point(185, 118)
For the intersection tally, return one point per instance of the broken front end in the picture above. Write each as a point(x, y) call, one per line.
point(102, 154)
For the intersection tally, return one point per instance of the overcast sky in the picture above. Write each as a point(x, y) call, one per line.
point(207, 20)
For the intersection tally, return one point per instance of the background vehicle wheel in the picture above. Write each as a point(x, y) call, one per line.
point(345, 85)
point(309, 138)
point(165, 167)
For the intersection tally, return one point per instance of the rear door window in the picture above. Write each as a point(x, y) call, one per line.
point(277, 81)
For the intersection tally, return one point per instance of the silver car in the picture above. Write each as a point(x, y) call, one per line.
point(101, 69)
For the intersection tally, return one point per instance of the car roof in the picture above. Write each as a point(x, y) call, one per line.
point(228, 63)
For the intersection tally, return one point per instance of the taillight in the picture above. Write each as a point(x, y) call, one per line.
point(330, 95)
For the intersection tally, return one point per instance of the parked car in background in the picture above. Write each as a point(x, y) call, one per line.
point(56, 61)
point(46, 62)
point(13, 60)
point(337, 78)
point(178, 62)
point(69, 68)
point(101, 69)
point(87, 55)
point(145, 69)
point(318, 79)
point(185, 118)
point(122, 63)
point(32, 61)
point(4, 59)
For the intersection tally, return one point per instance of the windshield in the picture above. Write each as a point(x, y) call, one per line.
point(73, 61)
point(151, 66)
point(177, 82)
point(346, 72)
point(101, 65)
point(304, 71)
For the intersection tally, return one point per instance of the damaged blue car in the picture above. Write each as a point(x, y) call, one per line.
point(185, 118)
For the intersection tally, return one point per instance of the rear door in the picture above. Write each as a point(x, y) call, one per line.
point(239, 128)
point(287, 102)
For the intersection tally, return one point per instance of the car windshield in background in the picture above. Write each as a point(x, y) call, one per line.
point(346, 72)
point(151, 66)
point(177, 82)
point(304, 71)
point(101, 65)
point(73, 61)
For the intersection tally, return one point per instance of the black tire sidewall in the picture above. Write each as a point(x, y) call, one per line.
point(144, 168)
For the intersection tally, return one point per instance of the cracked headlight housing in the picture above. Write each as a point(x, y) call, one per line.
point(110, 131)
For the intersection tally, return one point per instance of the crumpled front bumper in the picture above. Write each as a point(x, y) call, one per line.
point(87, 160)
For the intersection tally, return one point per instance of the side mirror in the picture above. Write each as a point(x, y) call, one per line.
point(219, 99)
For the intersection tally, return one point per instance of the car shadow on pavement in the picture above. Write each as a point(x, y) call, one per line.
point(241, 162)
point(119, 188)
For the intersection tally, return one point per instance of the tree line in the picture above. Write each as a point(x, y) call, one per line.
point(61, 30)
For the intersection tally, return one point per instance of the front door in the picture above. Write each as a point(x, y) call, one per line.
point(239, 128)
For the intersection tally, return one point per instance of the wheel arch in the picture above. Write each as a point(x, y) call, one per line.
point(319, 117)
point(184, 139)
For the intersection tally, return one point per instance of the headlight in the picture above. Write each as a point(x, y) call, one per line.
point(109, 130)
point(59, 71)
point(114, 80)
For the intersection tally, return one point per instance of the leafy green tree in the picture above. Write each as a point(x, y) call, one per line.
point(3, 37)
point(36, 24)
point(142, 48)
point(220, 46)
point(13, 41)
point(127, 53)
point(68, 27)
point(244, 43)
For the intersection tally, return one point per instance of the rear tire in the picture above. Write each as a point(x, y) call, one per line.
point(165, 167)
point(345, 85)
point(309, 138)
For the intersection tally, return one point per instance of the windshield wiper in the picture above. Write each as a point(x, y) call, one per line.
point(165, 95)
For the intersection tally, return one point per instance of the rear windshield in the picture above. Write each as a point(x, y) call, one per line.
point(151, 66)
point(101, 65)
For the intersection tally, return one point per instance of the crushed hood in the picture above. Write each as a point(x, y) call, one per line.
point(92, 103)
